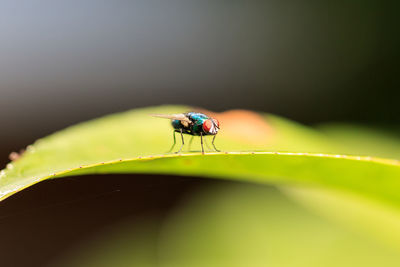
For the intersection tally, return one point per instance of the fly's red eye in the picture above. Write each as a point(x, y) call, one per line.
point(207, 125)
point(216, 122)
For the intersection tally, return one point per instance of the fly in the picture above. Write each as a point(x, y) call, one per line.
point(192, 123)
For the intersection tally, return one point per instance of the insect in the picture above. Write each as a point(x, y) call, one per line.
point(192, 123)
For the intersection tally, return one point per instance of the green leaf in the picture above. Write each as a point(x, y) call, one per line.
point(127, 136)
point(258, 148)
point(362, 214)
point(134, 142)
point(363, 140)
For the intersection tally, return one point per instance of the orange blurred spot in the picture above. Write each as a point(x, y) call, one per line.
point(243, 125)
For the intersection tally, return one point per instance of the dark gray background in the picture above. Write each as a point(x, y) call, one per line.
point(62, 62)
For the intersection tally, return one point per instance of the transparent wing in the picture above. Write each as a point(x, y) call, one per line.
point(180, 117)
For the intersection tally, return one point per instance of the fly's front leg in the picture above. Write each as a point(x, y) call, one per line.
point(201, 139)
point(183, 142)
point(173, 143)
point(206, 143)
point(214, 144)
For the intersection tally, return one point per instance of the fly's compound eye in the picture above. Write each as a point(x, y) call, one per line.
point(207, 125)
point(210, 127)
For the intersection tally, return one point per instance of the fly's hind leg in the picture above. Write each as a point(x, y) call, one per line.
point(183, 142)
point(214, 144)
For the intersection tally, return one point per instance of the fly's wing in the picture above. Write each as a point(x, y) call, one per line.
point(180, 117)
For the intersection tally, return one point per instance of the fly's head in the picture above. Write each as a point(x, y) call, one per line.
point(211, 126)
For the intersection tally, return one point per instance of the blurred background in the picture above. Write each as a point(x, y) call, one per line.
point(63, 62)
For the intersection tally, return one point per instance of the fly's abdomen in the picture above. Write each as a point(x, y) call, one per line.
point(177, 124)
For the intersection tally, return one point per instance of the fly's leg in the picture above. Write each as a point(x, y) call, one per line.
point(201, 139)
point(214, 144)
point(207, 145)
point(173, 143)
point(183, 142)
point(190, 142)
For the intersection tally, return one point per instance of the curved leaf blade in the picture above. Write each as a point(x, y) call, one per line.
point(131, 142)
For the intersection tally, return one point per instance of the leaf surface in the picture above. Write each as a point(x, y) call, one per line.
point(134, 142)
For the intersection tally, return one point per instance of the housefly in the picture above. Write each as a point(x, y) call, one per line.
point(192, 123)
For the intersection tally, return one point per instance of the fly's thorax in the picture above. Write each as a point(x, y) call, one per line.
point(196, 116)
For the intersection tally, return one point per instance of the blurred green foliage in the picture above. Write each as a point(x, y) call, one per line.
point(234, 225)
